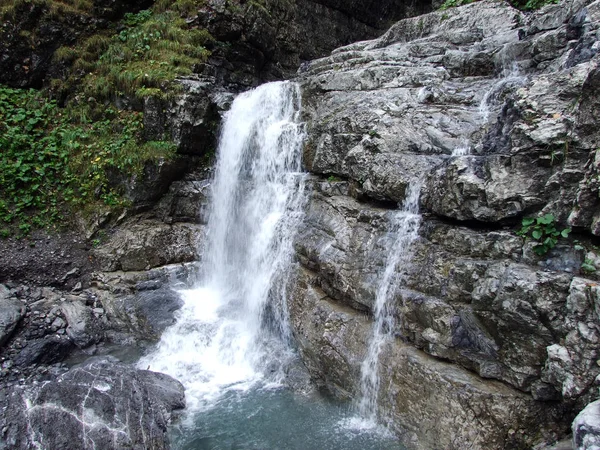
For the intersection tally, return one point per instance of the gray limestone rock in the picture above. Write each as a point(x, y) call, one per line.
point(101, 405)
point(11, 311)
point(586, 428)
point(429, 403)
point(82, 327)
point(147, 244)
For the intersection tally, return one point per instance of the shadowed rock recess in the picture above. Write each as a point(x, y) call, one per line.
point(495, 112)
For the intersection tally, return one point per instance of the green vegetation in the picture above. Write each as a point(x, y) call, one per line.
point(55, 9)
point(140, 61)
point(34, 171)
point(543, 230)
point(525, 5)
point(531, 5)
point(453, 3)
point(51, 161)
point(588, 267)
point(57, 159)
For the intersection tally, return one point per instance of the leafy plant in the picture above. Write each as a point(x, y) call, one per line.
point(543, 230)
point(53, 158)
point(531, 5)
point(453, 3)
point(588, 266)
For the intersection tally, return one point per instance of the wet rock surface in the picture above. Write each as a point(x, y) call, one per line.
point(418, 392)
point(488, 109)
point(102, 405)
point(63, 301)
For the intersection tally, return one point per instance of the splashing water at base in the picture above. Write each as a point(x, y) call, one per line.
point(404, 231)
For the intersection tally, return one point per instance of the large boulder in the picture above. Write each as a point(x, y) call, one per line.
point(101, 405)
point(139, 306)
point(586, 428)
point(145, 244)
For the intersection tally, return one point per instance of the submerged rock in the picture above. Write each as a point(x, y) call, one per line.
point(101, 405)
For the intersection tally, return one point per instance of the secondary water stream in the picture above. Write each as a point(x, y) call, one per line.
point(509, 80)
point(230, 345)
point(404, 231)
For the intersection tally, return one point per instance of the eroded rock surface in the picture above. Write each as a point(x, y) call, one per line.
point(489, 110)
point(428, 402)
point(101, 405)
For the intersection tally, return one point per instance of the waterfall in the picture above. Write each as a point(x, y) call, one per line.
point(510, 78)
point(403, 232)
point(231, 332)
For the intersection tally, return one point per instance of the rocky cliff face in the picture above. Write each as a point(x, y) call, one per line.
point(269, 39)
point(492, 112)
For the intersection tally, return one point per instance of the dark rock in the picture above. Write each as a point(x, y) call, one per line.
point(138, 306)
point(270, 41)
point(47, 350)
point(32, 31)
point(11, 312)
point(144, 189)
point(104, 405)
point(186, 201)
point(154, 308)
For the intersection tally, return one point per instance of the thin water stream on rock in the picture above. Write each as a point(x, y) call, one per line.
point(509, 79)
point(230, 345)
point(404, 231)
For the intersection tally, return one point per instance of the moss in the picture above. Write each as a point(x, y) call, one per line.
point(146, 55)
point(52, 9)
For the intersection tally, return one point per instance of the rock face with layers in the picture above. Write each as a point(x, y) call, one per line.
point(490, 110)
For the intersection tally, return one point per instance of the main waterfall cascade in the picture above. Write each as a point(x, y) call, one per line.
point(230, 345)
point(222, 337)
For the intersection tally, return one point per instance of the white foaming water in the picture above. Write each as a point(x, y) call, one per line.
point(231, 332)
point(404, 231)
point(510, 79)
point(462, 150)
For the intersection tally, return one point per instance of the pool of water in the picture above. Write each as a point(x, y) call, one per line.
point(278, 419)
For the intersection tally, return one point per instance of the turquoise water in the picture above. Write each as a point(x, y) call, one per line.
point(277, 419)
